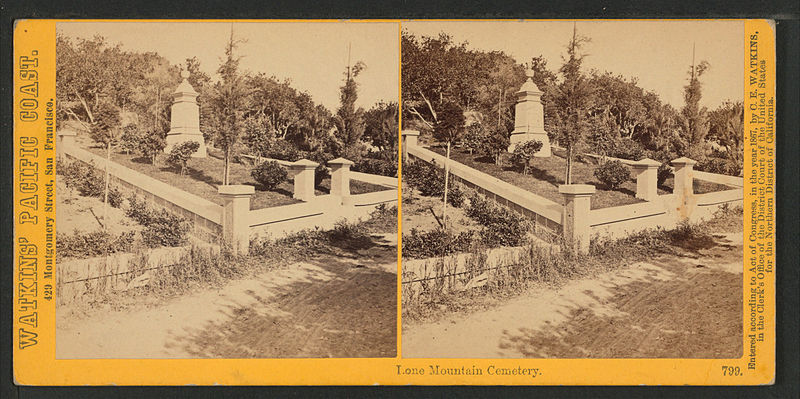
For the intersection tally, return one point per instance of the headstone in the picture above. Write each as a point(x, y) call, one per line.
point(529, 118)
point(185, 118)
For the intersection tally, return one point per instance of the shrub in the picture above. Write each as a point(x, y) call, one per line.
point(433, 243)
point(162, 228)
point(83, 178)
point(429, 180)
point(130, 138)
point(501, 226)
point(90, 244)
point(496, 142)
point(523, 152)
point(627, 148)
point(664, 172)
point(88, 181)
point(151, 144)
point(269, 174)
point(165, 229)
point(283, 150)
point(376, 167)
point(720, 166)
point(612, 174)
point(180, 154)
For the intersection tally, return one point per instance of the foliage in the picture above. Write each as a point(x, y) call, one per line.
point(321, 171)
point(381, 126)
point(449, 123)
point(162, 228)
point(283, 150)
point(376, 167)
point(693, 118)
point(572, 100)
point(439, 242)
point(437, 70)
point(88, 181)
point(165, 229)
point(664, 172)
point(719, 165)
point(612, 174)
point(230, 99)
point(627, 148)
point(106, 122)
point(269, 174)
point(501, 226)
point(726, 127)
point(90, 244)
point(181, 153)
point(130, 139)
point(151, 144)
point(280, 112)
point(429, 180)
point(349, 120)
point(523, 152)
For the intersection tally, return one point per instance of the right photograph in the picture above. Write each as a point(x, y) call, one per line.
point(572, 189)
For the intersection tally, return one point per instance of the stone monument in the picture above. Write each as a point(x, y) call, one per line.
point(529, 118)
point(185, 118)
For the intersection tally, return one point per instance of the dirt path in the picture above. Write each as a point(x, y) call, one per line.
point(327, 307)
point(672, 306)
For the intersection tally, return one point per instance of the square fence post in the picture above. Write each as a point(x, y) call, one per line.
point(303, 171)
point(340, 179)
point(409, 139)
point(646, 179)
point(66, 138)
point(575, 219)
point(235, 216)
point(683, 185)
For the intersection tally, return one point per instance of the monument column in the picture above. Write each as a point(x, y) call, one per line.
point(529, 118)
point(185, 118)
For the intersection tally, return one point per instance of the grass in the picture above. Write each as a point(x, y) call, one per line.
point(204, 175)
point(545, 265)
point(548, 173)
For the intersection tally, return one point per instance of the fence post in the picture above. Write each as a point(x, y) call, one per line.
point(340, 179)
point(66, 138)
point(235, 216)
point(409, 139)
point(303, 171)
point(575, 219)
point(646, 179)
point(683, 187)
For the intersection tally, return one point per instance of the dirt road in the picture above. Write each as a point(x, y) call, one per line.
point(687, 306)
point(327, 307)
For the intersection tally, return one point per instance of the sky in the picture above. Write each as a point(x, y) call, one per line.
point(658, 53)
point(312, 54)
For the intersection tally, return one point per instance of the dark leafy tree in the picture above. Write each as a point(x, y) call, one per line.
point(181, 153)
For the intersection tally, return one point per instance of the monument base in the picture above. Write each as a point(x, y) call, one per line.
point(522, 137)
point(174, 139)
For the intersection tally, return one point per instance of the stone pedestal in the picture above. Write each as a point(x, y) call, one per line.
point(683, 185)
point(235, 221)
point(529, 118)
point(185, 119)
point(303, 171)
point(575, 219)
point(646, 179)
point(409, 139)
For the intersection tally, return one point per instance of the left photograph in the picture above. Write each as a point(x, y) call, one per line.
point(226, 190)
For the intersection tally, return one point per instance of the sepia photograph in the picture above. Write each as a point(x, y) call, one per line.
point(572, 189)
point(227, 189)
